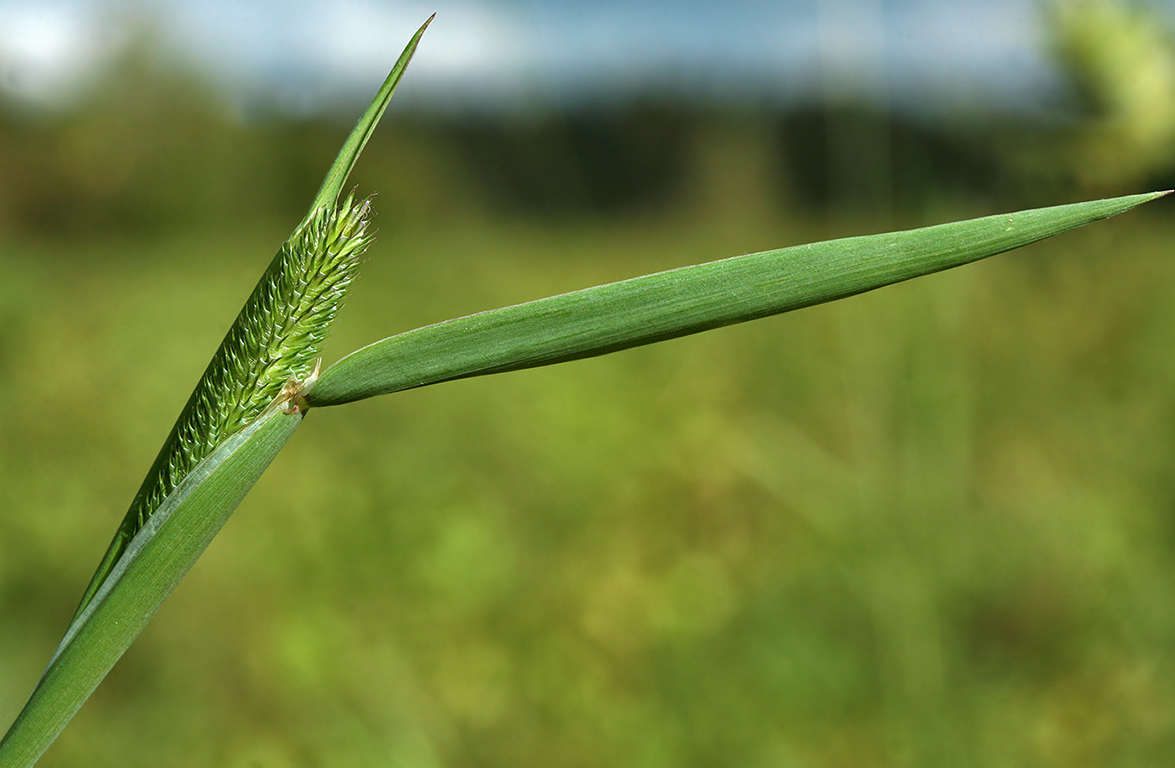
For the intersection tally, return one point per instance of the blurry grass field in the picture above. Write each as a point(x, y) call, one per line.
point(926, 526)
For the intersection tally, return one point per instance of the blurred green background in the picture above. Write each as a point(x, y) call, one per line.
point(927, 526)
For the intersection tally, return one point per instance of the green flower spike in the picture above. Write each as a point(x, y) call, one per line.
point(270, 351)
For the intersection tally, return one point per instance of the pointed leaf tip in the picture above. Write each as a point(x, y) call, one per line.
point(336, 177)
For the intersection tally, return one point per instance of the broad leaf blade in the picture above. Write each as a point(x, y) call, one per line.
point(148, 572)
point(608, 318)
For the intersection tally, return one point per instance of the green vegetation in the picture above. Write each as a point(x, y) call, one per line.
point(933, 518)
point(923, 526)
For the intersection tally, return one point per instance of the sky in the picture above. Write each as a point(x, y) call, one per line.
point(308, 55)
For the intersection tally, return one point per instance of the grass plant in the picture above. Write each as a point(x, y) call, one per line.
point(265, 377)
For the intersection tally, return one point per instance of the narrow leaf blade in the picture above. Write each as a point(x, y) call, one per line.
point(643, 310)
point(336, 177)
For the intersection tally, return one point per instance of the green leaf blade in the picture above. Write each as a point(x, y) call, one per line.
point(336, 177)
point(643, 310)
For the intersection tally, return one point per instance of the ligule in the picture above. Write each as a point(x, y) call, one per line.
point(276, 338)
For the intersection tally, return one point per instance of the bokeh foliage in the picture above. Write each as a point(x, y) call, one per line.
point(927, 526)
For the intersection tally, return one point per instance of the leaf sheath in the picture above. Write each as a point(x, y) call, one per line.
point(153, 564)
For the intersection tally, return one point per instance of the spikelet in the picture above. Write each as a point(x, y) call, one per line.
point(275, 341)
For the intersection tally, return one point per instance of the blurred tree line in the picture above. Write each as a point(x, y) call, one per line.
point(152, 148)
